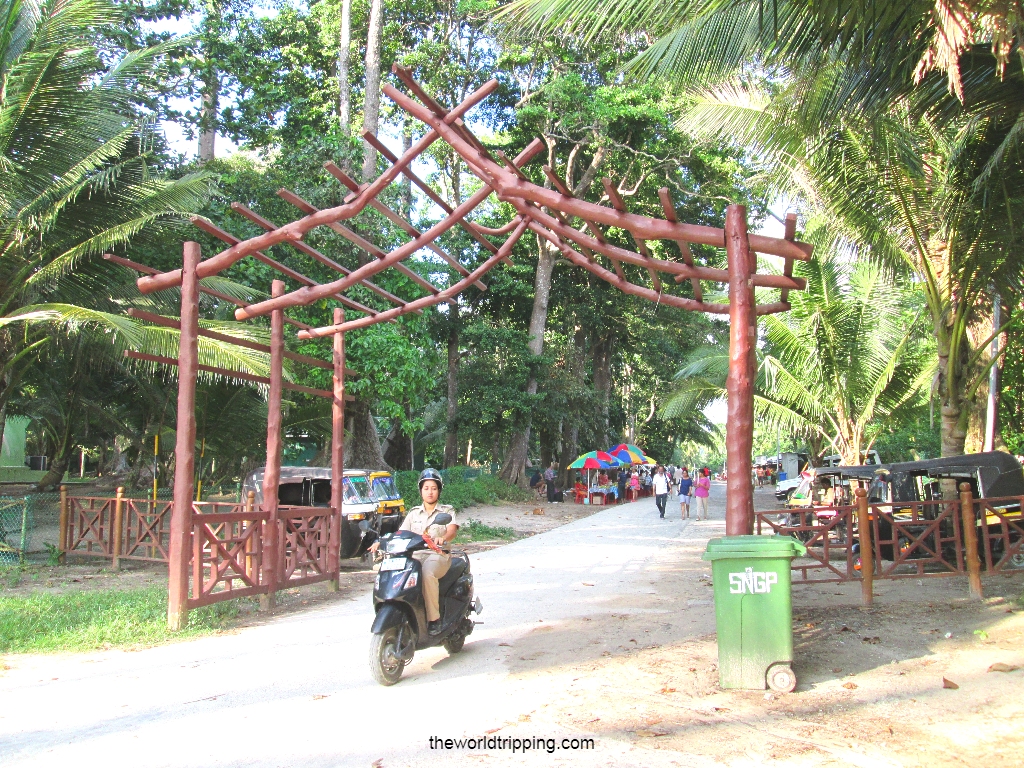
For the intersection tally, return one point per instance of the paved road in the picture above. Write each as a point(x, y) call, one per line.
point(297, 690)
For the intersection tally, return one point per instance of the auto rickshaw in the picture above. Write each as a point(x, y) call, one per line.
point(311, 487)
point(390, 505)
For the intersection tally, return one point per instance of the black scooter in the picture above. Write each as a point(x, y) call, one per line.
point(400, 628)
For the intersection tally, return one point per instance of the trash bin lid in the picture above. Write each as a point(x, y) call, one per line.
point(731, 547)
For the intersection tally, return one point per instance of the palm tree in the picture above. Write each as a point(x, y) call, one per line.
point(835, 369)
point(79, 176)
point(901, 190)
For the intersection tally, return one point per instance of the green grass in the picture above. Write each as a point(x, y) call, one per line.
point(474, 530)
point(85, 621)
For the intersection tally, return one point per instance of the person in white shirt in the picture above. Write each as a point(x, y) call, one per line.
point(660, 490)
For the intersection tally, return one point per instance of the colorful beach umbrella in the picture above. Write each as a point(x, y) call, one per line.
point(595, 460)
point(630, 454)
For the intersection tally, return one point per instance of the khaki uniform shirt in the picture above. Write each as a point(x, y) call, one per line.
point(417, 518)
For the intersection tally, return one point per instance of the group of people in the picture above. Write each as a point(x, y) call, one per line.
point(690, 490)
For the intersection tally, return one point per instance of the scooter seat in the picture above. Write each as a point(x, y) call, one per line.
point(459, 564)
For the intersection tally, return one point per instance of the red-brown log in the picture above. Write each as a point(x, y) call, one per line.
point(353, 237)
point(170, 322)
point(739, 383)
point(399, 221)
point(337, 449)
point(426, 301)
point(229, 374)
point(272, 469)
point(313, 253)
point(185, 442)
point(509, 187)
point(209, 292)
point(212, 229)
point(297, 229)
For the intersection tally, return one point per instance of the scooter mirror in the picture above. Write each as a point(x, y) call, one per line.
point(364, 525)
point(442, 518)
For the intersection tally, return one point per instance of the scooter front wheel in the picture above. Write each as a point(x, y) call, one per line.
point(385, 664)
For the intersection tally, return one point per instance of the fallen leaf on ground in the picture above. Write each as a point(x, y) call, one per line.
point(588, 583)
point(673, 690)
point(845, 628)
point(594, 720)
point(720, 709)
point(949, 684)
point(850, 686)
point(318, 696)
point(871, 640)
point(495, 730)
point(507, 645)
point(652, 733)
point(1000, 667)
point(378, 763)
point(810, 625)
point(837, 670)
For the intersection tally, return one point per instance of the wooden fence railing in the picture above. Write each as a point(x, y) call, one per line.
point(908, 540)
point(228, 542)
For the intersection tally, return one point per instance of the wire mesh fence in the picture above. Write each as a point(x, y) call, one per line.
point(15, 529)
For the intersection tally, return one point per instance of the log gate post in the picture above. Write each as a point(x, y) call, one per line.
point(185, 445)
point(117, 532)
point(970, 528)
point(337, 454)
point(273, 546)
point(867, 552)
point(739, 434)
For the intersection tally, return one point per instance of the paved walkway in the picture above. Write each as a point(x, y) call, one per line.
point(296, 691)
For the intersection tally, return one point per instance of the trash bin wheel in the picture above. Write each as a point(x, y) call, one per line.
point(781, 678)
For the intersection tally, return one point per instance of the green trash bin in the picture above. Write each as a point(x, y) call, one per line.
point(754, 610)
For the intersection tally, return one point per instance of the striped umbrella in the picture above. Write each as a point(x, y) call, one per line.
point(630, 454)
point(595, 460)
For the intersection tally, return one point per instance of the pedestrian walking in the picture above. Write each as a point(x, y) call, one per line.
point(685, 488)
point(634, 484)
point(623, 479)
point(701, 493)
point(660, 490)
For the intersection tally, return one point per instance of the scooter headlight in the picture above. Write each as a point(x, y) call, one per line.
point(398, 545)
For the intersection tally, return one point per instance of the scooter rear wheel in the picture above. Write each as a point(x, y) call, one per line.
point(385, 666)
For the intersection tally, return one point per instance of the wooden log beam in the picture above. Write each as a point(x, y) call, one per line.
point(399, 221)
point(426, 301)
point(313, 253)
point(641, 245)
point(673, 267)
point(669, 210)
point(146, 270)
point(509, 187)
point(308, 295)
point(562, 187)
point(170, 322)
point(297, 229)
point(307, 207)
point(212, 229)
point(230, 374)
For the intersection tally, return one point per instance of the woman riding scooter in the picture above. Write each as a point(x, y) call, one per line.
point(435, 561)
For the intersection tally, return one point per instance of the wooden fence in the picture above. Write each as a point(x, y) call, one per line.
point(904, 540)
point(229, 542)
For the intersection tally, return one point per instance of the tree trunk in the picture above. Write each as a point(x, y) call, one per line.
point(451, 437)
point(603, 386)
point(953, 426)
point(398, 451)
point(362, 448)
point(513, 470)
point(210, 96)
point(371, 96)
point(571, 426)
point(344, 56)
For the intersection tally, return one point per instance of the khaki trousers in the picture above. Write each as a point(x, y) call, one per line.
point(433, 568)
point(701, 503)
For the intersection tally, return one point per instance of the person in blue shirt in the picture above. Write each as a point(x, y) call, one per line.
point(685, 486)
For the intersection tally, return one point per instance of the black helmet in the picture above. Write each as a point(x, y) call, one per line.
point(430, 474)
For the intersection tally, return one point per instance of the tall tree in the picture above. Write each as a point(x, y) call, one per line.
point(371, 92)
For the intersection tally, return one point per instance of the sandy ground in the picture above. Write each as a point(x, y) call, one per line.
point(601, 628)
